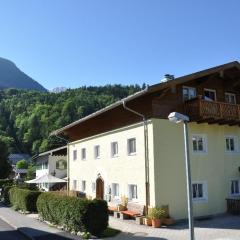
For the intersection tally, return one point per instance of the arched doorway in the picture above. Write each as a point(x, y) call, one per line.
point(99, 188)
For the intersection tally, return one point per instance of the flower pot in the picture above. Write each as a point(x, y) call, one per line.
point(156, 223)
point(148, 221)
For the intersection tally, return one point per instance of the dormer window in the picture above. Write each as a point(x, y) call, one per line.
point(189, 93)
point(230, 98)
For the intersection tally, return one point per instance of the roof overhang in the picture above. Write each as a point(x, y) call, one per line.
point(152, 89)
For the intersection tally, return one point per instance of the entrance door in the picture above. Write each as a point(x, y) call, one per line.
point(99, 188)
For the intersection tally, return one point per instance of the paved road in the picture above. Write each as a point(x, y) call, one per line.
point(9, 233)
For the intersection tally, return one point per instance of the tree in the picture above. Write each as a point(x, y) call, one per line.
point(31, 173)
point(5, 167)
point(22, 164)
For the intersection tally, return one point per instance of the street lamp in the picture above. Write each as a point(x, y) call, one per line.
point(178, 118)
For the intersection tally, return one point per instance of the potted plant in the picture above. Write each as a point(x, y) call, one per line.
point(156, 214)
point(148, 221)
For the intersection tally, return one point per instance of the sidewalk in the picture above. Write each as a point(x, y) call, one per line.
point(31, 227)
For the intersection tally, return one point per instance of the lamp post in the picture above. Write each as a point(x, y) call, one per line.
point(178, 118)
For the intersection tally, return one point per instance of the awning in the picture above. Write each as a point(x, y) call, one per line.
point(47, 178)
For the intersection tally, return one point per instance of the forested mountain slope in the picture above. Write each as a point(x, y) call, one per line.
point(27, 117)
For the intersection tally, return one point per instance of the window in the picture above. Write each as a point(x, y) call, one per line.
point(74, 155)
point(230, 98)
point(231, 144)
point(83, 151)
point(210, 94)
point(97, 151)
point(131, 146)
point(114, 149)
point(93, 187)
point(199, 144)
point(132, 192)
point(83, 186)
point(235, 187)
point(74, 184)
point(115, 190)
point(45, 165)
point(189, 93)
point(199, 191)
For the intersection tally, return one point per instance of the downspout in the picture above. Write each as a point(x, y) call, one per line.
point(145, 127)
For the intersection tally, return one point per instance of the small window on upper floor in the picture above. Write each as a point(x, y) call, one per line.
point(97, 151)
point(114, 149)
point(230, 98)
point(83, 151)
point(74, 155)
point(210, 94)
point(231, 144)
point(199, 143)
point(131, 145)
point(189, 93)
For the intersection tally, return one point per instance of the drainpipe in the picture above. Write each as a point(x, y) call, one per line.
point(145, 127)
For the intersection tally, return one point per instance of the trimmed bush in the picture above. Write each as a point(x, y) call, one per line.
point(75, 214)
point(23, 199)
point(5, 182)
point(6, 194)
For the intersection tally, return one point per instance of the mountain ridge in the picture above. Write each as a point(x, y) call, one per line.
point(12, 77)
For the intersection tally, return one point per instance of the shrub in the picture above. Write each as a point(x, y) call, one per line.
point(6, 194)
point(75, 214)
point(5, 182)
point(23, 199)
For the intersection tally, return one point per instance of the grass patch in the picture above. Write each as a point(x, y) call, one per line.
point(110, 232)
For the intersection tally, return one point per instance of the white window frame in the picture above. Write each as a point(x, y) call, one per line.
point(93, 187)
point(204, 138)
point(74, 154)
point(231, 95)
point(97, 151)
point(230, 191)
point(74, 185)
point(115, 190)
point(83, 185)
point(189, 88)
point(235, 142)
point(134, 198)
point(128, 146)
point(204, 198)
point(210, 90)
point(112, 149)
point(83, 154)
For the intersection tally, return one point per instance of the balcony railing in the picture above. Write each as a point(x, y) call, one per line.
point(201, 110)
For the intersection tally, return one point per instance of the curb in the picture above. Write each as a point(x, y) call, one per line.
point(18, 229)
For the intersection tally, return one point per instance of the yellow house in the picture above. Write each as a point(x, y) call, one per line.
point(131, 149)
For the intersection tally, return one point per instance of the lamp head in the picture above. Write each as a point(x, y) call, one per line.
point(177, 117)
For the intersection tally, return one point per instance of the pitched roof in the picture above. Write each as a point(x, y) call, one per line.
point(151, 89)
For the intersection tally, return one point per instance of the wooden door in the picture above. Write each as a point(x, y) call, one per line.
point(99, 188)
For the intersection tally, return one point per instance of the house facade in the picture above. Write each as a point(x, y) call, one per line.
point(131, 149)
point(53, 162)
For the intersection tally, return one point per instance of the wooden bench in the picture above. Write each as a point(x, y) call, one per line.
point(133, 210)
point(113, 208)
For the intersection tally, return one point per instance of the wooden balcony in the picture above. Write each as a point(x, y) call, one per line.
point(201, 110)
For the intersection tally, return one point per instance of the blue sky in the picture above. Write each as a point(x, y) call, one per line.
point(95, 42)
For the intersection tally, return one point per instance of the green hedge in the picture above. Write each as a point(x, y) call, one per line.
point(23, 199)
point(5, 182)
point(6, 194)
point(74, 213)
